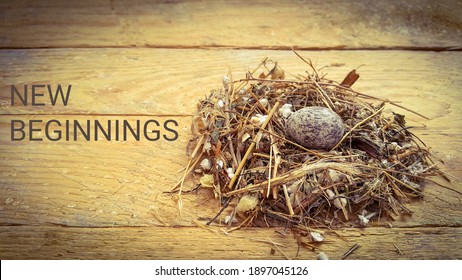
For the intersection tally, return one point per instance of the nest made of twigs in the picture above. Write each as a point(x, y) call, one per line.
point(239, 149)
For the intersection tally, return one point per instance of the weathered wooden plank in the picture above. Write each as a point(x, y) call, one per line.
point(169, 82)
point(236, 24)
point(165, 81)
point(52, 242)
point(118, 184)
point(121, 183)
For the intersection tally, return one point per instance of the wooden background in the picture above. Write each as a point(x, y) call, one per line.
point(148, 59)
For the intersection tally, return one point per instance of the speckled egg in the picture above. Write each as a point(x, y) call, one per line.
point(315, 127)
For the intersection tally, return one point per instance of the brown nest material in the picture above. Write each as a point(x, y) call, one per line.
point(240, 150)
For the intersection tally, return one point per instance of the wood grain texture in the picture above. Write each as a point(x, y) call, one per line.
point(122, 183)
point(196, 243)
point(154, 60)
point(236, 24)
point(170, 82)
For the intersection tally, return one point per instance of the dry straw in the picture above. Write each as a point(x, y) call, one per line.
point(240, 151)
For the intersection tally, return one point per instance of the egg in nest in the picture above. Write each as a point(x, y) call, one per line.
point(315, 127)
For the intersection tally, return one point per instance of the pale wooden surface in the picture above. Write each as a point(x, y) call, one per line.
point(105, 200)
point(51, 242)
point(237, 24)
point(122, 183)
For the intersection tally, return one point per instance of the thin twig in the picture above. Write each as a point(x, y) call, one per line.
point(297, 173)
point(350, 251)
point(288, 203)
point(398, 250)
point(225, 205)
point(356, 126)
point(277, 158)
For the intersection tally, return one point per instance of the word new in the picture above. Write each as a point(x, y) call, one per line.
point(37, 95)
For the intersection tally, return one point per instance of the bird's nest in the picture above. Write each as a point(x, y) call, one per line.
point(240, 151)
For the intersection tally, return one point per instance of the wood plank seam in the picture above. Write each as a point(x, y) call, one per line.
point(236, 47)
